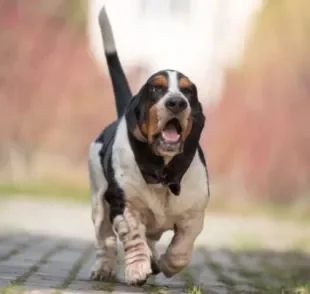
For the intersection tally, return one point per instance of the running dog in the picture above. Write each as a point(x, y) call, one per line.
point(148, 173)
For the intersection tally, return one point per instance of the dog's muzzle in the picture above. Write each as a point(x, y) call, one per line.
point(176, 104)
point(169, 140)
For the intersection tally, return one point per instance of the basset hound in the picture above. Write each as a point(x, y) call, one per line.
point(148, 173)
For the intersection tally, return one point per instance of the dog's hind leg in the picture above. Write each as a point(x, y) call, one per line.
point(106, 244)
point(106, 241)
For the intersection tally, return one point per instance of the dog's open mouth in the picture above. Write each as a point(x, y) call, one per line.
point(172, 131)
point(170, 136)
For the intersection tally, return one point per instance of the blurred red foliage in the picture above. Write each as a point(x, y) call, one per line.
point(259, 131)
point(54, 95)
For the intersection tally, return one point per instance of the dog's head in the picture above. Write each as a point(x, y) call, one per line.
point(167, 112)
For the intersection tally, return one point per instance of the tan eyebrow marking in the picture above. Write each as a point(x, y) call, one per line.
point(185, 82)
point(160, 80)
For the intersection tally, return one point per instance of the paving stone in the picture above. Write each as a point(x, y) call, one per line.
point(78, 245)
point(249, 263)
point(81, 286)
point(245, 289)
point(220, 290)
point(175, 281)
point(65, 256)
point(42, 283)
point(16, 238)
point(4, 282)
point(4, 249)
point(221, 257)
point(13, 263)
point(128, 290)
point(68, 291)
point(174, 292)
point(50, 274)
point(34, 252)
point(84, 272)
point(208, 278)
point(31, 255)
point(60, 268)
point(12, 273)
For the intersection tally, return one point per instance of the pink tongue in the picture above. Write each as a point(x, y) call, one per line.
point(170, 134)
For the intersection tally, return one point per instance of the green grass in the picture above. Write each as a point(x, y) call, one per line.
point(305, 289)
point(68, 191)
point(250, 208)
point(194, 290)
point(247, 242)
point(290, 285)
point(11, 289)
point(302, 244)
point(52, 189)
point(295, 278)
point(154, 289)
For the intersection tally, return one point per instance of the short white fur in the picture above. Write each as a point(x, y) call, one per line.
point(106, 32)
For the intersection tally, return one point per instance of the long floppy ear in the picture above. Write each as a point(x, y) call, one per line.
point(196, 120)
point(198, 123)
point(181, 162)
point(136, 114)
point(143, 114)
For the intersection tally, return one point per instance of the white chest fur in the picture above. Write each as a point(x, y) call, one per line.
point(161, 207)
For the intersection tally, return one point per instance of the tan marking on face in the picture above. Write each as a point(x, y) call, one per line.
point(187, 127)
point(160, 80)
point(185, 83)
point(150, 127)
point(138, 134)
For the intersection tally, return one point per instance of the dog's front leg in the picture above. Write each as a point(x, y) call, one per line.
point(131, 232)
point(180, 250)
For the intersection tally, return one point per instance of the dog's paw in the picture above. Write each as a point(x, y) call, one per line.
point(137, 272)
point(172, 265)
point(102, 271)
point(164, 267)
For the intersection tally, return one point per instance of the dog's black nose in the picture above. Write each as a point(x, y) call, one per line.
point(176, 104)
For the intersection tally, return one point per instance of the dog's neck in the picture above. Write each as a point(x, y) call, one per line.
point(156, 170)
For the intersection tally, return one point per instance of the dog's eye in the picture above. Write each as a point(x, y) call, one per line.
point(157, 89)
point(187, 91)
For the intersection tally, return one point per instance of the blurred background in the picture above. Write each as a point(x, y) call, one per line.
point(250, 60)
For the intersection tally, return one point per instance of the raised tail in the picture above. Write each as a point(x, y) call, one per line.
point(121, 88)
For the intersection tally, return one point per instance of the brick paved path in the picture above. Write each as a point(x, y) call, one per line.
point(48, 248)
